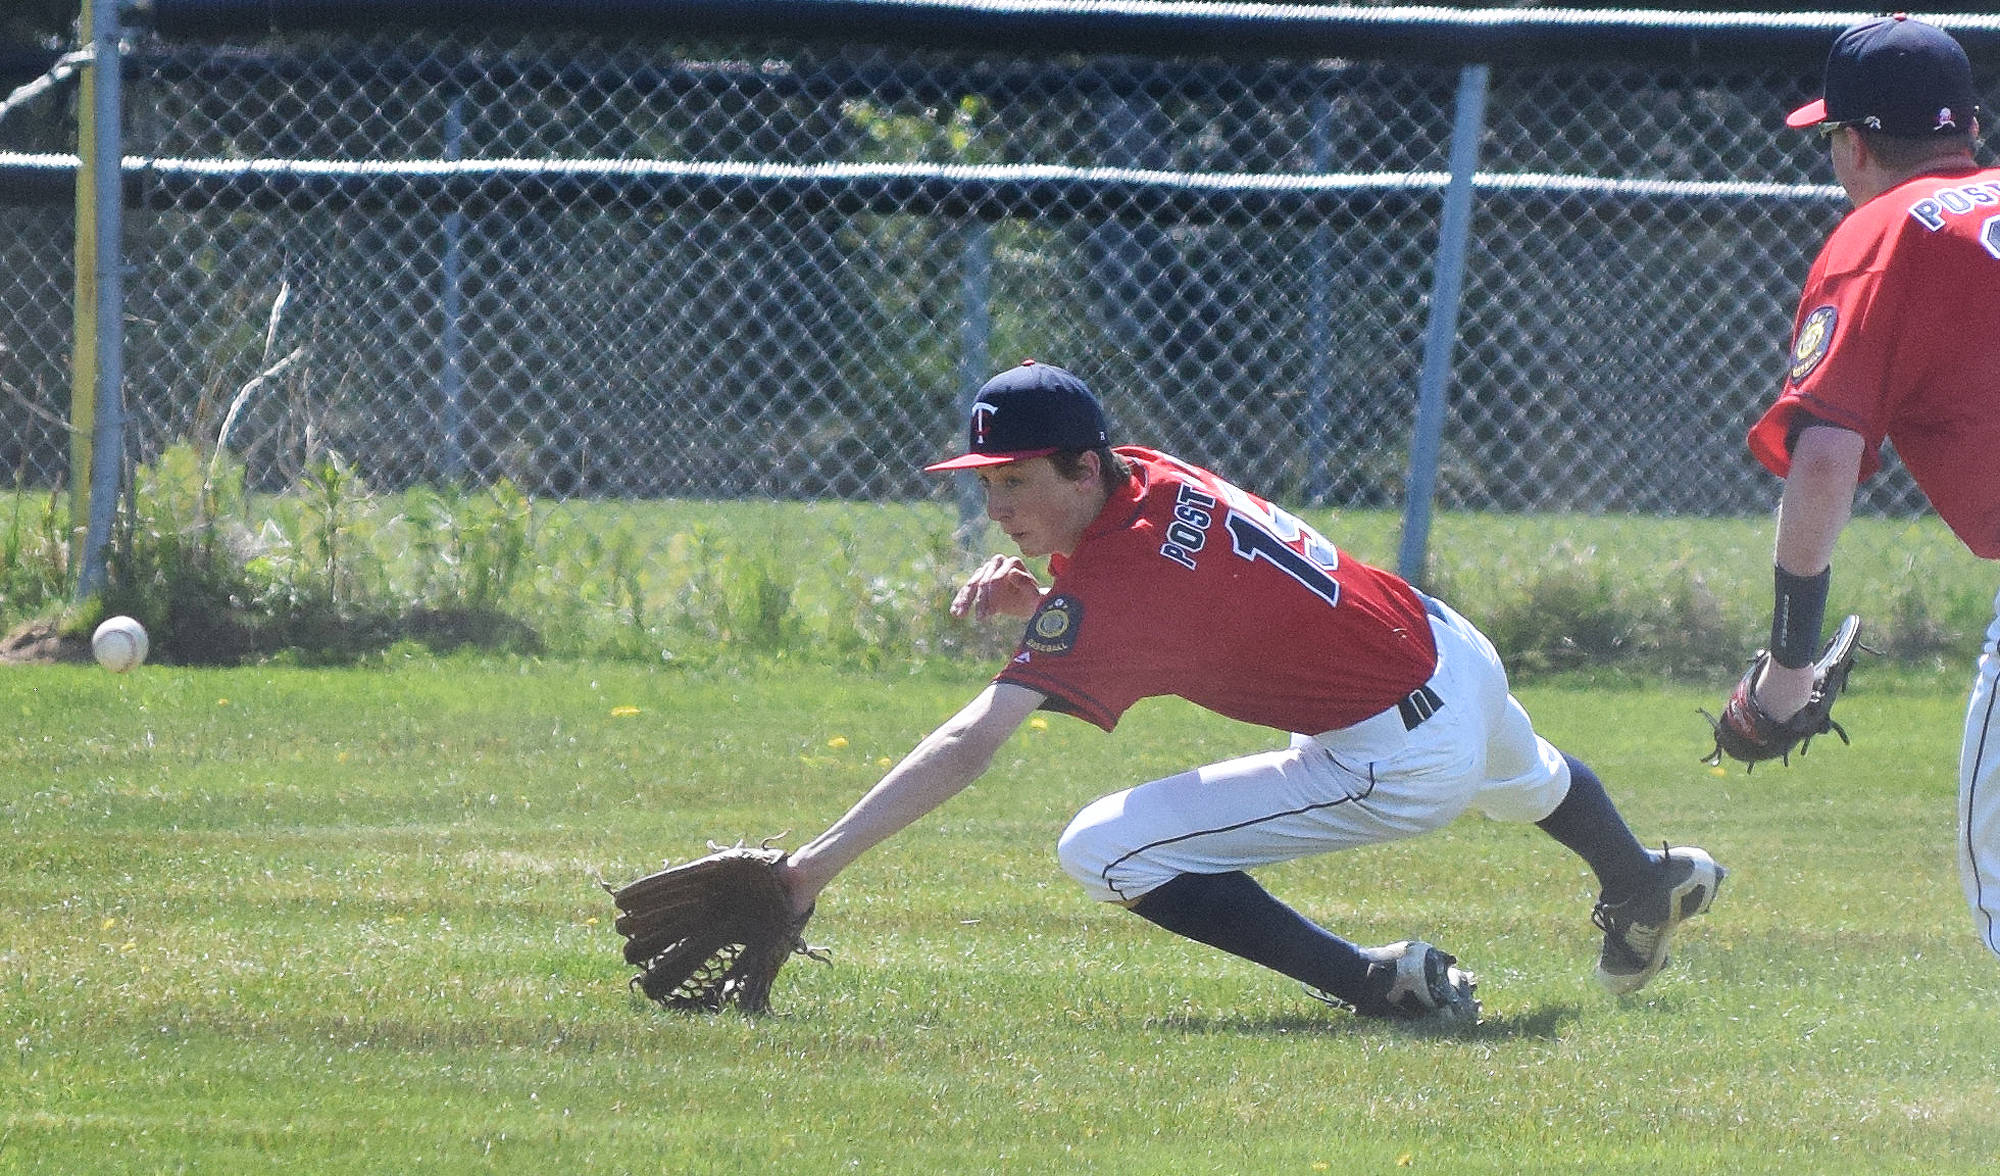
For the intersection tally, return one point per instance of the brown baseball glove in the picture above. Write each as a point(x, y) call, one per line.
point(713, 931)
point(1746, 732)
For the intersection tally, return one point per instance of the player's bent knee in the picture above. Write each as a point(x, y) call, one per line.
point(1086, 849)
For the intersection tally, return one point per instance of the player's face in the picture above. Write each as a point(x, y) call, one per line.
point(1843, 145)
point(1042, 512)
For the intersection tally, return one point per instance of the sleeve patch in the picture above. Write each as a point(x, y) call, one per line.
point(1053, 628)
point(1815, 337)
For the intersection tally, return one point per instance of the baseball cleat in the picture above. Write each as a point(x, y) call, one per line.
point(1415, 983)
point(1636, 930)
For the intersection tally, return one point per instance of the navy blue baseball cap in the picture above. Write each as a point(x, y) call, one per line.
point(1027, 412)
point(1895, 75)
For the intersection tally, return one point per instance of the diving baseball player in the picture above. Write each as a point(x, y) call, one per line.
point(1169, 580)
point(1897, 336)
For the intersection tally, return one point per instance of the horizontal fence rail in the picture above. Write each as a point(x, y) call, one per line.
point(997, 193)
point(1137, 27)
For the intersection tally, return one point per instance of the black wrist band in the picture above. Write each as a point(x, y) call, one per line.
point(1796, 616)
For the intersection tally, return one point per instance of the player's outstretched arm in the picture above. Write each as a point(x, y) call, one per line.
point(1002, 587)
point(1818, 499)
point(939, 768)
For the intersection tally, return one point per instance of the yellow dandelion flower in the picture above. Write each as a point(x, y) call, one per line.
point(624, 712)
point(1038, 723)
point(107, 924)
point(837, 742)
point(1405, 1160)
point(222, 702)
point(883, 761)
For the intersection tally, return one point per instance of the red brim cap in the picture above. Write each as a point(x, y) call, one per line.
point(1811, 114)
point(973, 461)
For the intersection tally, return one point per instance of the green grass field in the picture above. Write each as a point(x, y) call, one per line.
point(344, 921)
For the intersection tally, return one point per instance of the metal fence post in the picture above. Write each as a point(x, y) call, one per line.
point(1441, 335)
point(451, 334)
point(100, 200)
point(1319, 327)
point(974, 352)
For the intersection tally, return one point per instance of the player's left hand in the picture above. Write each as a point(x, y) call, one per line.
point(1782, 691)
point(713, 931)
point(1751, 734)
point(1002, 587)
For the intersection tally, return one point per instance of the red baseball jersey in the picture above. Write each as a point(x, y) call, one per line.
point(1898, 335)
point(1187, 585)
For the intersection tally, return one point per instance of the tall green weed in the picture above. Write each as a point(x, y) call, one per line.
point(332, 570)
point(471, 548)
point(179, 557)
point(34, 553)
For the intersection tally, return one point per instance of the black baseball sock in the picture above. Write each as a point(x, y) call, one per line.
point(1588, 823)
point(1232, 912)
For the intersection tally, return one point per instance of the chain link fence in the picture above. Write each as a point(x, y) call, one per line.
point(642, 269)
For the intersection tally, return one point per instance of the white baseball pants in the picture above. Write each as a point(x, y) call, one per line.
point(1979, 793)
point(1379, 780)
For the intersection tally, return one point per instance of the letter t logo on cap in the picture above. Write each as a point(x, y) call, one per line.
point(982, 414)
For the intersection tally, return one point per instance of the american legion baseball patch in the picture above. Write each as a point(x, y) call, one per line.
point(1053, 629)
point(1815, 336)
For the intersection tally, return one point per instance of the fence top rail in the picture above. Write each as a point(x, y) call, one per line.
point(1233, 30)
point(989, 190)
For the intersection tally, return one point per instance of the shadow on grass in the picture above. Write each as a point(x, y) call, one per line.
point(1544, 1023)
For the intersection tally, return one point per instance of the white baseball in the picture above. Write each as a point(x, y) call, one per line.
point(120, 644)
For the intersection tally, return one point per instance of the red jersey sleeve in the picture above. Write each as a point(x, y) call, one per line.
point(1841, 349)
